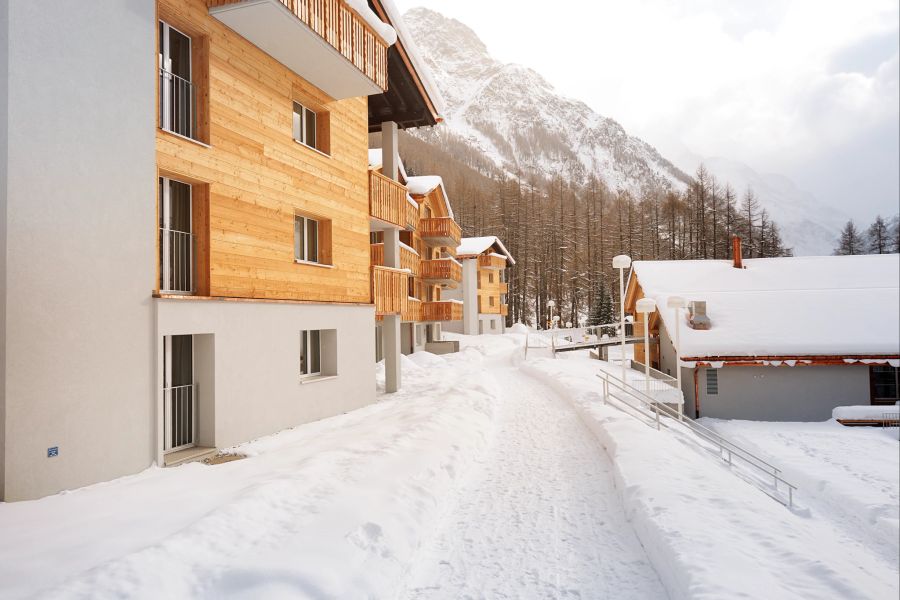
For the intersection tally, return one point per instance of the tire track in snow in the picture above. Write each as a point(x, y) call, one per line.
point(540, 518)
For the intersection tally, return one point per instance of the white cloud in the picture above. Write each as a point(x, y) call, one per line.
point(779, 84)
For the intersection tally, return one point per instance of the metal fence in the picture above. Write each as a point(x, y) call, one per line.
point(180, 415)
point(177, 104)
point(176, 261)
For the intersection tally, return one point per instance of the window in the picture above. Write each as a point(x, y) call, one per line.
point(490, 301)
point(305, 123)
point(712, 381)
point(177, 98)
point(376, 237)
point(490, 278)
point(885, 384)
point(310, 353)
point(306, 239)
point(493, 324)
point(411, 287)
point(176, 239)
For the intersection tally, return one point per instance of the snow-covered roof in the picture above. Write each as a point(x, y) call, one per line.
point(423, 185)
point(412, 51)
point(376, 160)
point(798, 306)
point(472, 246)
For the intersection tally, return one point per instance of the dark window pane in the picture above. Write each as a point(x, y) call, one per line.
point(182, 360)
point(312, 240)
point(314, 352)
point(303, 354)
point(180, 54)
point(311, 128)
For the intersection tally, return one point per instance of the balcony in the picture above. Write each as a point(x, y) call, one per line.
point(491, 261)
point(504, 310)
point(408, 258)
point(446, 310)
point(389, 289)
point(324, 41)
point(389, 203)
point(412, 312)
point(504, 287)
point(440, 231)
point(443, 271)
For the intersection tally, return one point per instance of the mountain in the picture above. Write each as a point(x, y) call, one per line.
point(810, 227)
point(514, 117)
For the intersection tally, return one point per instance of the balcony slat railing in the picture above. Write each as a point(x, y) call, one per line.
point(441, 228)
point(441, 269)
point(447, 310)
point(489, 261)
point(387, 200)
point(504, 287)
point(408, 259)
point(344, 30)
point(413, 310)
point(389, 290)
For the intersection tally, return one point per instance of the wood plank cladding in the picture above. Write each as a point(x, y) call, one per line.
point(258, 178)
point(448, 310)
point(442, 231)
point(344, 30)
point(489, 261)
point(490, 289)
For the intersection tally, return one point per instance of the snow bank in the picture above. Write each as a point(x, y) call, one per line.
point(783, 306)
point(366, 487)
point(708, 533)
point(865, 412)
point(519, 328)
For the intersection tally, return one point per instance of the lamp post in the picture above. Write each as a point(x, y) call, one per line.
point(550, 305)
point(622, 262)
point(646, 306)
point(677, 303)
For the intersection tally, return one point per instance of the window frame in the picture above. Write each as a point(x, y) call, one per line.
point(307, 359)
point(301, 129)
point(302, 239)
point(712, 381)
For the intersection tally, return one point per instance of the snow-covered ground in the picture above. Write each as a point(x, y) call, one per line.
point(487, 476)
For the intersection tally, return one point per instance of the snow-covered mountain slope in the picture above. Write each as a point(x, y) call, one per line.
point(516, 118)
point(810, 227)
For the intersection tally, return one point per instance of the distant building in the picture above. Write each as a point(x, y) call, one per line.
point(782, 339)
point(484, 286)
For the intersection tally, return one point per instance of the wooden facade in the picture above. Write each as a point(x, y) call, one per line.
point(251, 178)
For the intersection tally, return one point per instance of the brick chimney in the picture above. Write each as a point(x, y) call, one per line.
point(736, 252)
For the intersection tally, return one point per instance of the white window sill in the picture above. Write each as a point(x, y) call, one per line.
point(186, 138)
point(313, 264)
point(314, 149)
point(305, 379)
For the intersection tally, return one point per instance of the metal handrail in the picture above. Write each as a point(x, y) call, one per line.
point(725, 445)
point(177, 104)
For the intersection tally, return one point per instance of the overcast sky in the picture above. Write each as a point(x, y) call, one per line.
point(804, 88)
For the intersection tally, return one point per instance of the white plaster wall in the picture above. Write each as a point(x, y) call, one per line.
point(4, 56)
point(486, 320)
point(258, 388)
point(80, 214)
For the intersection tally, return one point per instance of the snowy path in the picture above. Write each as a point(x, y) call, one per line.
point(540, 518)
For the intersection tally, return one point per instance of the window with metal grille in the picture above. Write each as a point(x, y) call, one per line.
point(712, 382)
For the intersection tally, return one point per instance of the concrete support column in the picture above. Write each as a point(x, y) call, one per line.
point(392, 248)
point(390, 331)
point(470, 296)
point(390, 151)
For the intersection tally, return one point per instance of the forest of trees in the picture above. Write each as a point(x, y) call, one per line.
point(882, 237)
point(563, 236)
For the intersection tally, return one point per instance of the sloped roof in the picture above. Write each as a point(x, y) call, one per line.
point(473, 246)
point(798, 306)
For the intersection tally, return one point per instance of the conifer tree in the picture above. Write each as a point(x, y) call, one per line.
point(878, 237)
point(850, 242)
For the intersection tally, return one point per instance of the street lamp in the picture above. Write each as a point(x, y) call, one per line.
point(622, 262)
point(677, 303)
point(550, 305)
point(646, 306)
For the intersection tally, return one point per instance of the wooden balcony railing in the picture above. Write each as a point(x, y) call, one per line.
point(343, 29)
point(388, 202)
point(504, 310)
point(490, 261)
point(504, 287)
point(412, 311)
point(408, 258)
point(447, 310)
point(440, 231)
point(444, 270)
point(389, 289)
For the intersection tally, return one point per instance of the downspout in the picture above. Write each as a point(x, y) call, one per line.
point(696, 393)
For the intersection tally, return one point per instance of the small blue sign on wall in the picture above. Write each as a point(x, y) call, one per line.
point(54, 451)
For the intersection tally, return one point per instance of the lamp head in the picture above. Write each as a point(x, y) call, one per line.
point(676, 302)
point(646, 305)
point(622, 261)
point(550, 303)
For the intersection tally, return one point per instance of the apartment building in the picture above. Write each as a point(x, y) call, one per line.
point(484, 285)
point(185, 255)
point(426, 248)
